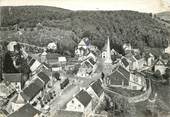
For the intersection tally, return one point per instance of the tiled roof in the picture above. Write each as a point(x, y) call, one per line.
point(25, 111)
point(116, 78)
point(124, 72)
point(29, 58)
point(125, 62)
point(32, 62)
point(83, 97)
point(120, 74)
point(84, 42)
point(12, 77)
point(63, 113)
point(52, 56)
point(96, 86)
point(43, 76)
point(92, 61)
point(88, 64)
point(19, 99)
point(33, 89)
point(138, 57)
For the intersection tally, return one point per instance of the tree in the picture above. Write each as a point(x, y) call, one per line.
point(56, 75)
point(157, 74)
point(166, 56)
point(8, 66)
point(168, 63)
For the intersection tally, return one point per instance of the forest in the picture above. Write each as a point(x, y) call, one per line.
point(41, 25)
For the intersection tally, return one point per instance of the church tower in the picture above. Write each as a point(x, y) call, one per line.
point(108, 53)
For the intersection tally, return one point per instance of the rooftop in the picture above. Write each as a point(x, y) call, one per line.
point(118, 75)
point(62, 113)
point(33, 89)
point(83, 97)
point(96, 86)
point(25, 111)
point(12, 77)
point(125, 62)
point(43, 76)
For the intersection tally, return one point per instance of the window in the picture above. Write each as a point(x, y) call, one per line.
point(72, 101)
point(79, 105)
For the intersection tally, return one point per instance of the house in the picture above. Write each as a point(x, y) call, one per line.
point(83, 47)
point(33, 63)
point(82, 102)
point(167, 50)
point(25, 111)
point(33, 90)
point(124, 79)
point(94, 48)
point(160, 66)
point(150, 59)
point(92, 55)
point(127, 47)
point(84, 43)
point(52, 58)
point(80, 52)
point(52, 46)
point(6, 91)
point(13, 78)
point(137, 62)
point(125, 63)
point(10, 46)
point(62, 59)
point(114, 52)
point(140, 60)
point(65, 113)
point(64, 82)
point(44, 77)
point(43, 57)
point(17, 102)
point(87, 67)
point(56, 67)
point(96, 90)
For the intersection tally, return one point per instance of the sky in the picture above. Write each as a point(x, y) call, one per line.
point(153, 6)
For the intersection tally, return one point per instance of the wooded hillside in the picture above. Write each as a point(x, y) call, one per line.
point(140, 29)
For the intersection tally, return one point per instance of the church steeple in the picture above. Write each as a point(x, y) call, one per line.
point(108, 53)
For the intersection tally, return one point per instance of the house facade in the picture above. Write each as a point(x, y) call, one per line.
point(96, 90)
point(137, 62)
point(23, 111)
point(150, 59)
point(124, 79)
point(17, 102)
point(34, 90)
point(125, 63)
point(83, 47)
point(87, 68)
point(160, 66)
point(82, 102)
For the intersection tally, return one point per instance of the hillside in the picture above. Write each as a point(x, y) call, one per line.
point(165, 16)
point(140, 29)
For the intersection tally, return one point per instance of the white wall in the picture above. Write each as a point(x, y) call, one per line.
point(75, 105)
point(161, 68)
point(35, 65)
point(91, 92)
point(135, 83)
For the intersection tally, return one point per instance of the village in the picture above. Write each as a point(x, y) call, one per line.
point(63, 86)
